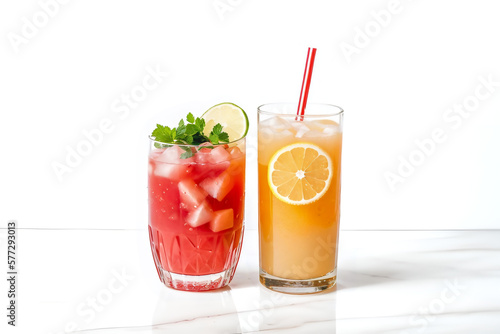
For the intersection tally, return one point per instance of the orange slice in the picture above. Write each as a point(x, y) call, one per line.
point(300, 173)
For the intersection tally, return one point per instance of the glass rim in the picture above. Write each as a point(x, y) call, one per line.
point(339, 111)
point(150, 137)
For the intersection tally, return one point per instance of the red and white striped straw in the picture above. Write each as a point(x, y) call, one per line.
point(306, 82)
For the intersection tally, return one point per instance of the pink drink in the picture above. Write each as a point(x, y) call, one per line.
point(196, 211)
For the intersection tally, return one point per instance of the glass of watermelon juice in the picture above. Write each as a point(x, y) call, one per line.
point(196, 213)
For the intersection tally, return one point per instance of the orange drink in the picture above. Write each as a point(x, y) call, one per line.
point(299, 196)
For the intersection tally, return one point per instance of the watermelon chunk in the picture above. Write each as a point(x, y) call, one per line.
point(222, 220)
point(218, 187)
point(191, 194)
point(200, 216)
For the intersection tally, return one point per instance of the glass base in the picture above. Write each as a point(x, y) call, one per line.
point(298, 287)
point(193, 255)
point(197, 283)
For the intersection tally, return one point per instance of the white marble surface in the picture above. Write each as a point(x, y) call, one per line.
point(104, 281)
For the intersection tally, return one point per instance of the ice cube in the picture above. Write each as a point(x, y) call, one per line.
point(266, 136)
point(287, 134)
point(318, 128)
point(275, 124)
point(296, 124)
point(173, 155)
point(301, 129)
point(219, 154)
point(235, 153)
point(173, 172)
point(322, 124)
point(331, 130)
point(203, 155)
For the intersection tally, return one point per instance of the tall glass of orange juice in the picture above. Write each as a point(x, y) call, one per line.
point(299, 196)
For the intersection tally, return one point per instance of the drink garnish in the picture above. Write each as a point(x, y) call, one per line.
point(190, 133)
point(300, 173)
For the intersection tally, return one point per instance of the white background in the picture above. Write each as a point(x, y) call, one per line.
point(65, 77)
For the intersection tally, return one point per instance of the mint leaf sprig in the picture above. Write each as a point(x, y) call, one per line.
point(188, 134)
point(217, 135)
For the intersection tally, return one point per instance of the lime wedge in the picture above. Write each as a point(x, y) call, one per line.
point(233, 119)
